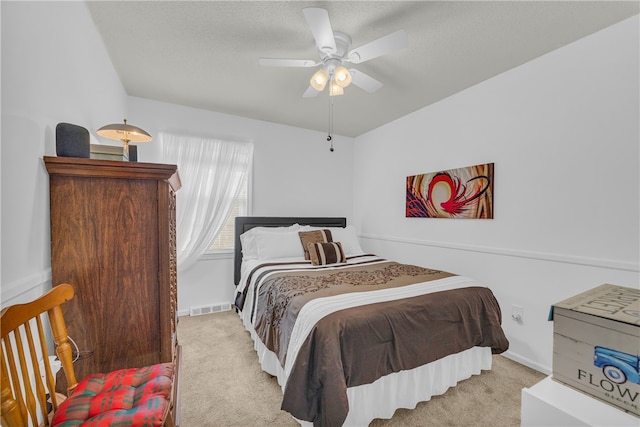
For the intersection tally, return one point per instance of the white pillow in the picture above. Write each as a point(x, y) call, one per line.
point(278, 245)
point(248, 239)
point(346, 236)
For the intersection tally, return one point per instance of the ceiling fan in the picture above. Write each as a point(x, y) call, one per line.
point(334, 50)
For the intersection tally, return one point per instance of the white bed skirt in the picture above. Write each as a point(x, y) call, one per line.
point(404, 389)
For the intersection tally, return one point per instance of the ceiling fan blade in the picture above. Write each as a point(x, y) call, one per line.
point(383, 45)
point(364, 81)
point(318, 20)
point(274, 62)
point(310, 92)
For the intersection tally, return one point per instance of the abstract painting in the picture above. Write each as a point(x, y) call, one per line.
point(455, 193)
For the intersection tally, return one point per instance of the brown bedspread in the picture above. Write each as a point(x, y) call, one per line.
point(283, 294)
point(358, 345)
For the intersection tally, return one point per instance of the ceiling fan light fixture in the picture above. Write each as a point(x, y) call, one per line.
point(342, 76)
point(335, 89)
point(319, 79)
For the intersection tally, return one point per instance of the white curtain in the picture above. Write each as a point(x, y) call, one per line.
point(211, 171)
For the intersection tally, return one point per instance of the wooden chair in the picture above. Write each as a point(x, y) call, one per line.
point(135, 397)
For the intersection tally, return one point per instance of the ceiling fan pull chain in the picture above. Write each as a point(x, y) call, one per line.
point(329, 137)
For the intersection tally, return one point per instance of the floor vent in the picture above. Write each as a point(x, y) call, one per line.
point(206, 309)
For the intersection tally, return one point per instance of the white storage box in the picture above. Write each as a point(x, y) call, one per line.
point(596, 344)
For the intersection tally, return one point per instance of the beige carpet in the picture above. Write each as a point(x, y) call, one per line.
point(222, 385)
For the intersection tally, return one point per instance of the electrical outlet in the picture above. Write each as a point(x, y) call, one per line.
point(517, 313)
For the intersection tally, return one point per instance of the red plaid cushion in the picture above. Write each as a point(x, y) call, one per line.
point(128, 397)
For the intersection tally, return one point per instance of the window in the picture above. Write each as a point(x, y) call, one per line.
point(224, 242)
point(213, 172)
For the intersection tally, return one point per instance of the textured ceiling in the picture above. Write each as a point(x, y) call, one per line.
point(205, 54)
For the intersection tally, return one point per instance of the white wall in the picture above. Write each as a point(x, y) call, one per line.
point(294, 174)
point(563, 132)
point(54, 69)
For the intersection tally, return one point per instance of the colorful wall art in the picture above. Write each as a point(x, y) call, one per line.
point(456, 193)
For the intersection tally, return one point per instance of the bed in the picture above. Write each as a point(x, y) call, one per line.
point(351, 336)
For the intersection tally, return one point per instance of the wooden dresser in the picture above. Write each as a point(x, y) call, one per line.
point(113, 237)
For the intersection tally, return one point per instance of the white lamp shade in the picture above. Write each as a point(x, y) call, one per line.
point(319, 79)
point(335, 89)
point(342, 76)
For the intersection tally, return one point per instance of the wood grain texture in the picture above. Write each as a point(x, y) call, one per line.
point(113, 239)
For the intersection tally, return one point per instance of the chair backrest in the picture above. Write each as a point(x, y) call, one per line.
point(24, 352)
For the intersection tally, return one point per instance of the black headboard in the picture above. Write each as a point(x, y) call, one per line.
point(245, 223)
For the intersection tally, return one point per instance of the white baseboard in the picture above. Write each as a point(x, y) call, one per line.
point(527, 362)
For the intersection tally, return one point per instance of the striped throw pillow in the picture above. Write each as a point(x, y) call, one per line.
point(315, 236)
point(326, 253)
